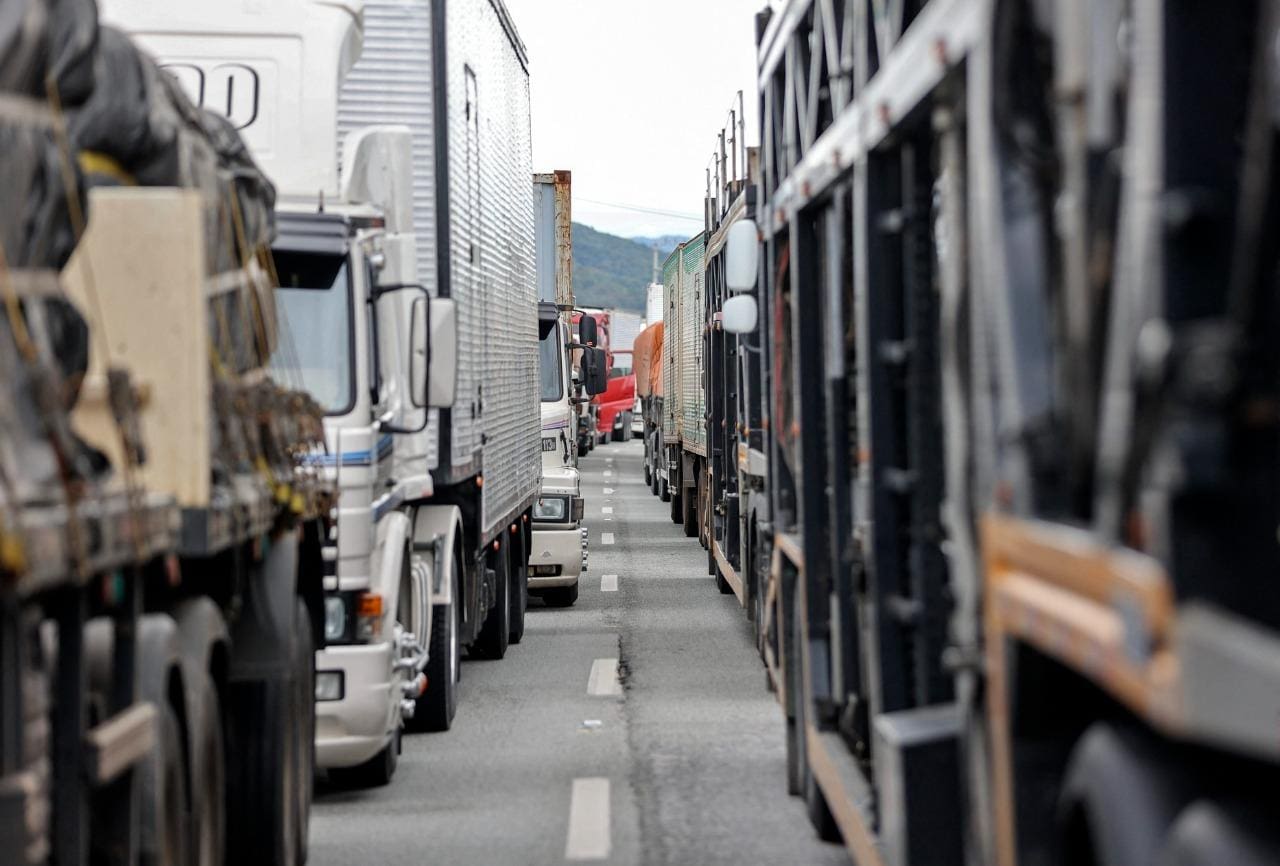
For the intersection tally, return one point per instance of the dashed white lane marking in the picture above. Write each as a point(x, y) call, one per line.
point(608, 583)
point(607, 473)
point(606, 509)
point(606, 538)
point(588, 820)
point(608, 490)
point(604, 678)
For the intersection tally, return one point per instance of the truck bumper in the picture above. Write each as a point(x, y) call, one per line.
point(354, 728)
point(562, 547)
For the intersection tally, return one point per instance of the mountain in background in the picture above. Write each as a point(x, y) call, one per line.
point(609, 271)
point(665, 243)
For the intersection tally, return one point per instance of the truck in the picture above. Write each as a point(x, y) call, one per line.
point(684, 432)
point(1012, 281)
point(441, 74)
point(558, 555)
point(163, 525)
point(617, 403)
point(737, 517)
point(647, 358)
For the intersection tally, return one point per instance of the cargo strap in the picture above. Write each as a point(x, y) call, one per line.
point(16, 108)
point(95, 162)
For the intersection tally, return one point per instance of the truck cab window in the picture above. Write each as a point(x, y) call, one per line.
point(550, 366)
point(314, 301)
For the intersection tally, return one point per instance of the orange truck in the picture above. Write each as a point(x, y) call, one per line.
point(646, 364)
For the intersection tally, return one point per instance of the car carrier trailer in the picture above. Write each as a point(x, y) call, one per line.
point(1016, 291)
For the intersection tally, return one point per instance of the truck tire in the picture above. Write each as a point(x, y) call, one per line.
point(163, 796)
point(495, 634)
point(689, 511)
point(305, 683)
point(208, 819)
point(1121, 795)
point(263, 774)
point(648, 477)
point(560, 596)
point(519, 588)
point(438, 705)
point(1208, 834)
point(376, 772)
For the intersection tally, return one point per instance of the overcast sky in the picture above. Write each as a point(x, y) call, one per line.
point(630, 95)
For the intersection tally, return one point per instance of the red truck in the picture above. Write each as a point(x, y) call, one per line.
point(615, 406)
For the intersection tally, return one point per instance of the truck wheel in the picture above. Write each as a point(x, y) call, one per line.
point(560, 596)
point(495, 634)
point(519, 590)
point(689, 511)
point(1207, 834)
point(436, 708)
point(262, 793)
point(305, 684)
point(163, 797)
point(1122, 794)
point(648, 477)
point(673, 496)
point(208, 777)
point(373, 773)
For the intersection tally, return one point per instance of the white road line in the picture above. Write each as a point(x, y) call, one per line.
point(588, 820)
point(606, 538)
point(604, 678)
point(608, 490)
point(608, 583)
point(607, 473)
point(606, 509)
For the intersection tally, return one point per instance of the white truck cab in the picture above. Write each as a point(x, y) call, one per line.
point(558, 554)
point(371, 346)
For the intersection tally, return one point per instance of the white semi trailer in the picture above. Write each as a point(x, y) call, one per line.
point(465, 476)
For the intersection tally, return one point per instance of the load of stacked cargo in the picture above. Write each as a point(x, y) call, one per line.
point(148, 462)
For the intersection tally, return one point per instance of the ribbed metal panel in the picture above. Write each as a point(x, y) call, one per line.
point(693, 402)
point(391, 83)
point(492, 255)
point(671, 346)
point(495, 419)
point(624, 327)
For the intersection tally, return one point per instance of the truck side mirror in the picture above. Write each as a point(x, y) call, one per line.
point(594, 363)
point(442, 371)
point(587, 330)
point(739, 314)
point(418, 367)
point(742, 256)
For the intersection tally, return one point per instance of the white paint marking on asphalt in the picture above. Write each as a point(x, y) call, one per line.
point(606, 509)
point(608, 583)
point(606, 538)
point(588, 820)
point(608, 490)
point(604, 678)
point(607, 473)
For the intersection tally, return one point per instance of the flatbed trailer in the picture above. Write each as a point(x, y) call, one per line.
point(1018, 273)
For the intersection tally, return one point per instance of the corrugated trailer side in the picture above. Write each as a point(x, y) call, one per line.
point(693, 400)
point(472, 198)
point(672, 273)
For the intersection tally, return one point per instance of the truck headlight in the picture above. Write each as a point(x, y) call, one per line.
point(335, 618)
point(551, 508)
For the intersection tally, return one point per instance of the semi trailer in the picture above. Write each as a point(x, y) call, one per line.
point(1009, 287)
point(438, 74)
point(684, 433)
point(163, 531)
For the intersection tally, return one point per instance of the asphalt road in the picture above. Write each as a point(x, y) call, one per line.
point(633, 728)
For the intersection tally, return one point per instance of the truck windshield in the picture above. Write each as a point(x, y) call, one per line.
point(314, 302)
point(550, 366)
